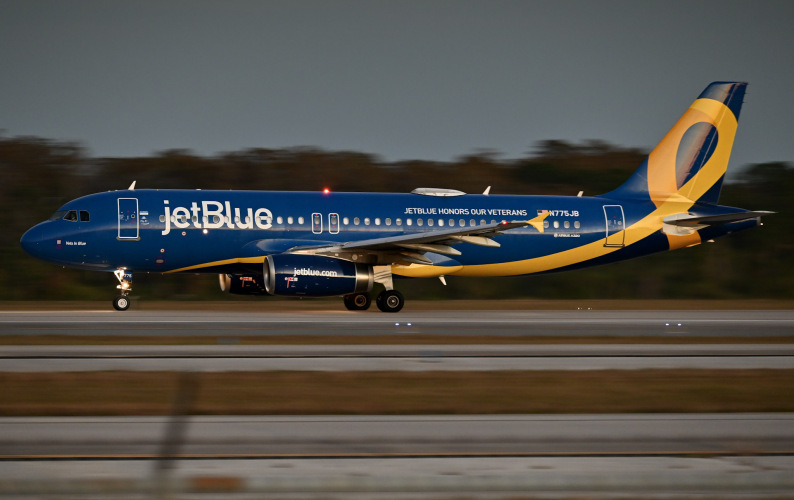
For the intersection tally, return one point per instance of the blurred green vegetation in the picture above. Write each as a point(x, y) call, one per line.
point(39, 175)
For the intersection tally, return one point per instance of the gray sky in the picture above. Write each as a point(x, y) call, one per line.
point(402, 79)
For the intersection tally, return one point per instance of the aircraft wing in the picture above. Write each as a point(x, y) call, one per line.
point(411, 247)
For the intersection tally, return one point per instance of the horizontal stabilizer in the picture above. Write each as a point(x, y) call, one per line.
point(686, 220)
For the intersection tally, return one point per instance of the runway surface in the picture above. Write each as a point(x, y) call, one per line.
point(725, 323)
point(394, 357)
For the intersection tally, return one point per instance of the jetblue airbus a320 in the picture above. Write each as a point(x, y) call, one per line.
point(341, 244)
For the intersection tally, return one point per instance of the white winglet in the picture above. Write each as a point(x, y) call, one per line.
point(487, 191)
point(132, 186)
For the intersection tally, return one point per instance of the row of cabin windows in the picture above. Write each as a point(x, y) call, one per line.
point(72, 215)
point(566, 224)
point(451, 222)
point(84, 216)
point(356, 221)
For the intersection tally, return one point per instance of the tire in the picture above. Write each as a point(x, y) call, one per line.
point(121, 303)
point(390, 301)
point(358, 301)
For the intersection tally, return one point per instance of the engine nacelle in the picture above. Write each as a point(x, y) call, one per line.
point(242, 285)
point(315, 276)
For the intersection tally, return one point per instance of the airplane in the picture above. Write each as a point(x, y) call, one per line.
point(312, 244)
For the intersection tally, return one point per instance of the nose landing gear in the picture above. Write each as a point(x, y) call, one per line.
point(122, 302)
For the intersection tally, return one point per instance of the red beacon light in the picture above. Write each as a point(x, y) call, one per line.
point(326, 190)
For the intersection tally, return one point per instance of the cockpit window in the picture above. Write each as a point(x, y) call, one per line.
point(84, 216)
point(58, 215)
point(71, 215)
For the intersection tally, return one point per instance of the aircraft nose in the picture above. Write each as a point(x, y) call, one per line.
point(32, 241)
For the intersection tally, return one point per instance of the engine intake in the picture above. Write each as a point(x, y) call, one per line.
point(315, 276)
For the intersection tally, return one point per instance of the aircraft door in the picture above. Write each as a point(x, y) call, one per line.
point(128, 219)
point(333, 223)
point(615, 225)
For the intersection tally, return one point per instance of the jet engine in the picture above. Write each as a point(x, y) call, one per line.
point(242, 285)
point(315, 276)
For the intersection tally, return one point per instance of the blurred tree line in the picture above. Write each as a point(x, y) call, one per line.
point(39, 175)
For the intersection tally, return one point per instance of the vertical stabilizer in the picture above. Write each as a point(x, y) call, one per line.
point(689, 164)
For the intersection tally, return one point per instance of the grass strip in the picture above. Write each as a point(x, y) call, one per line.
point(365, 393)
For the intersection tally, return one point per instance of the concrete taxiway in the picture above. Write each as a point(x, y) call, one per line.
point(394, 357)
point(423, 435)
point(476, 456)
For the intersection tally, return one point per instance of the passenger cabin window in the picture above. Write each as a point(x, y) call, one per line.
point(317, 223)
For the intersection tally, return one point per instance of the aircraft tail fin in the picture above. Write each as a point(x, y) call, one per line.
point(690, 162)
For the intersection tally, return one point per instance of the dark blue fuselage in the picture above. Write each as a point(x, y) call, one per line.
point(227, 231)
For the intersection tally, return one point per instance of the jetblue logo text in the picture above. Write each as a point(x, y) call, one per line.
point(215, 215)
point(305, 271)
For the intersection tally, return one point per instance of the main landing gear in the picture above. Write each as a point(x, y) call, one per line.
point(387, 301)
point(358, 301)
point(390, 301)
point(122, 302)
